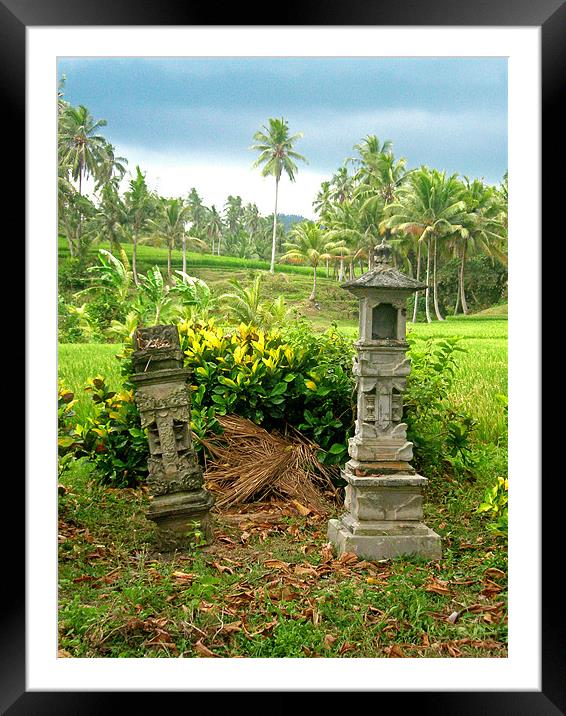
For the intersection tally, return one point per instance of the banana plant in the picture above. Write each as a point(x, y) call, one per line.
point(154, 293)
point(111, 273)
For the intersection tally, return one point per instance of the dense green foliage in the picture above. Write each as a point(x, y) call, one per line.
point(278, 379)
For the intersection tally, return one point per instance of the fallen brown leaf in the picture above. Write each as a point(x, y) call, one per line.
point(301, 509)
point(346, 646)
point(305, 571)
point(329, 640)
point(276, 564)
point(437, 586)
point(203, 650)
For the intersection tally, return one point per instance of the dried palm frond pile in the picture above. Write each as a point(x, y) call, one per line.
point(249, 464)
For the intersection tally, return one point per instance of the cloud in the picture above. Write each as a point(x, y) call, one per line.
point(216, 177)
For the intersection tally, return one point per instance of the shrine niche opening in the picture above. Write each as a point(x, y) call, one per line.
point(384, 321)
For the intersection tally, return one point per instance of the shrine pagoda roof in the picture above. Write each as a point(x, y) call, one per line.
point(383, 275)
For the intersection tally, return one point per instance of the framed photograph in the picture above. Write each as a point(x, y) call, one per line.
point(45, 42)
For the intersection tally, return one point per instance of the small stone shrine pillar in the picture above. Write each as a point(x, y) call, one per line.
point(180, 504)
point(383, 492)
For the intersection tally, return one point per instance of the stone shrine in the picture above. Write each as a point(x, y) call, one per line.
point(180, 505)
point(383, 492)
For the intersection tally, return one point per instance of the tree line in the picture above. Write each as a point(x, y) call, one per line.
point(427, 216)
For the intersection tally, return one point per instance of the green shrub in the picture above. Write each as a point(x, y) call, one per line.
point(113, 438)
point(440, 434)
point(104, 308)
point(275, 379)
point(495, 507)
point(68, 324)
point(69, 441)
point(72, 274)
point(293, 378)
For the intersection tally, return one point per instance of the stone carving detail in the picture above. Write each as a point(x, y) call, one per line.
point(175, 478)
point(383, 494)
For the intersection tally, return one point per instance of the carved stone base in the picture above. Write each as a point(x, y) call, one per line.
point(183, 519)
point(384, 516)
point(383, 540)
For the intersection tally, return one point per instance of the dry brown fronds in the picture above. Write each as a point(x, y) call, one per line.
point(250, 464)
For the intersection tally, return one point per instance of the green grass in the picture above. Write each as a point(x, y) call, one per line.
point(119, 598)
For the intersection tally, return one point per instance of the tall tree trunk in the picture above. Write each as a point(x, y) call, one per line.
point(80, 226)
point(461, 281)
point(70, 244)
point(327, 268)
point(435, 288)
point(416, 306)
point(272, 267)
point(134, 259)
point(457, 306)
point(351, 270)
point(169, 251)
point(341, 274)
point(184, 244)
point(312, 297)
point(427, 290)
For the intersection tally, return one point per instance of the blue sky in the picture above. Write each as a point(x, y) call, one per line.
point(190, 121)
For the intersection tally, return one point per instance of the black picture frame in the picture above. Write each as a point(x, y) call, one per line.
point(550, 15)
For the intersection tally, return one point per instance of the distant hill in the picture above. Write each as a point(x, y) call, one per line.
point(289, 219)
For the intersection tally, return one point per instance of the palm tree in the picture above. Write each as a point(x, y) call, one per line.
point(213, 226)
point(341, 186)
point(81, 149)
point(139, 205)
point(322, 202)
point(169, 226)
point(430, 206)
point(111, 217)
point(276, 155)
point(111, 167)
point(485, 230)
point(79, 144)
point(244, 302)
point(371, 148)
point(197, 212)
point(345, 233)
point(308, 245)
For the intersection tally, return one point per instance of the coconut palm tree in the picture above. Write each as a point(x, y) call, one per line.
point(170, 226)
point(308, 245)
point(430, 206)
point(139, 204)
point(213, 227)
point(197, 211)
point(80, 145)
point(111, 218)
point(485, 231)
point(341, 186)
point(275, 146)
point(322, 202)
